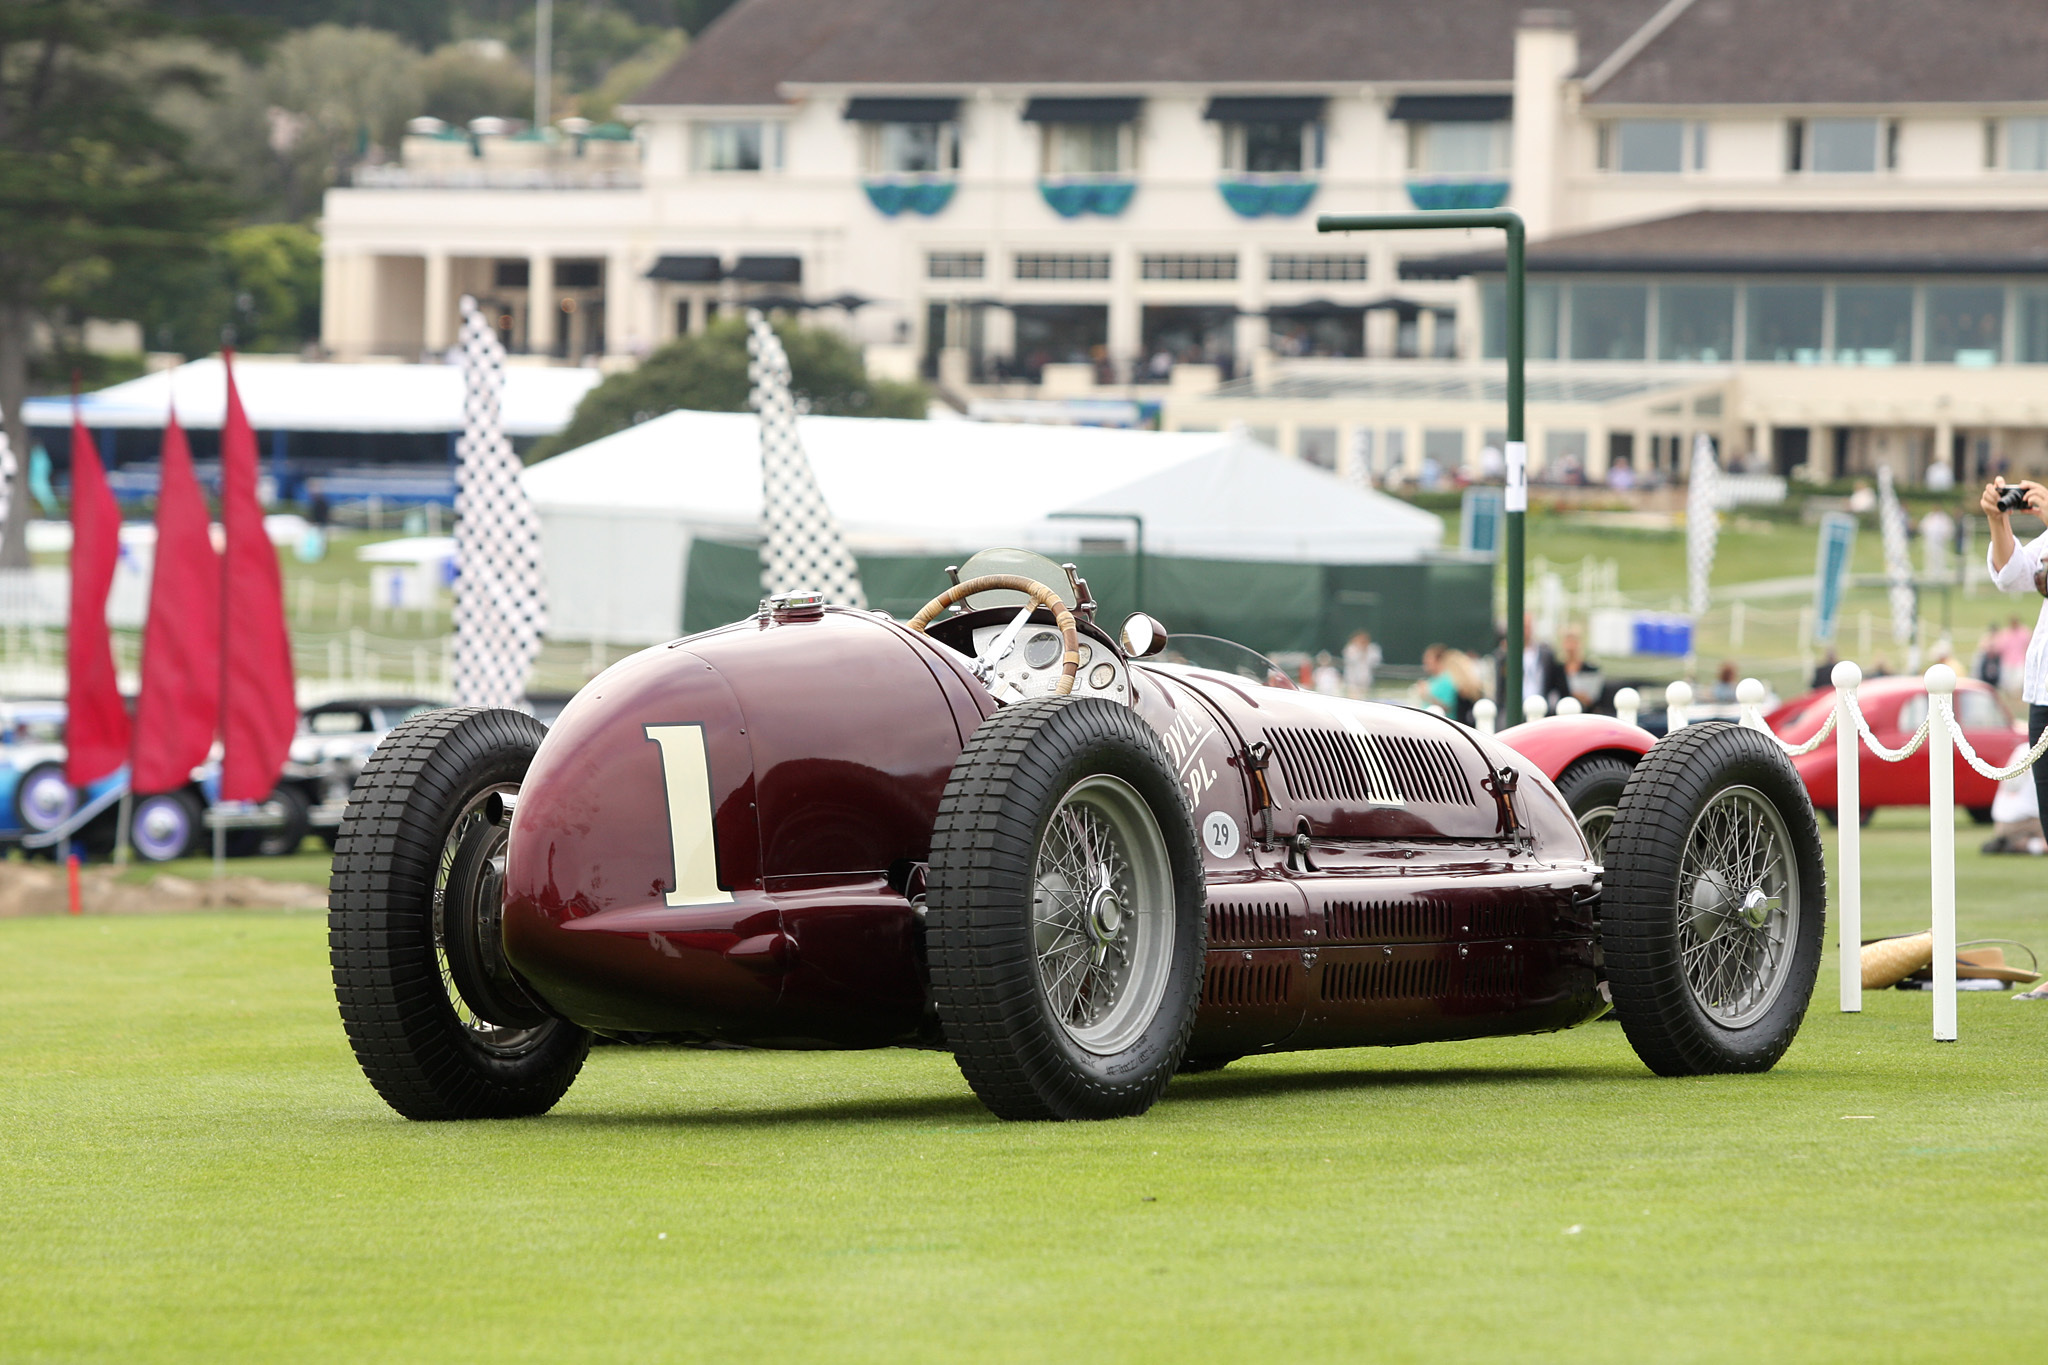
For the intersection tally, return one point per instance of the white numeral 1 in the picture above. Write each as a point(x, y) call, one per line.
point(686, 770)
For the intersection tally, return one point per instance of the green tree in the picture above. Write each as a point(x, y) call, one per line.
point(466, 80)
point(92, 176)
point(708, 372)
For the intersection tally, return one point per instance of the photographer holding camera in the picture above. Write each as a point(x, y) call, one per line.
point(2020, 568)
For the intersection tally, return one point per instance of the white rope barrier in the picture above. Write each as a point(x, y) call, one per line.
point(2006, 774)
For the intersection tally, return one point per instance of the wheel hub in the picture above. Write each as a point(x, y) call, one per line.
point(1758, 907)
point(1105, 918)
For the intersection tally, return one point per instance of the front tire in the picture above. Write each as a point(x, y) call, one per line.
point(1711, 916)
point(1066, 928)
point(164, 826)
point(418, 860)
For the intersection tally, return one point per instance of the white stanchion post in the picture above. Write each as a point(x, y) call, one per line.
point(1628, 703)
point(1849, 831)
point(1535, 708)
point(1483, 712)
point(1941, 832)
point(1750, 694)
point(1677, 706)
point(1569, 706)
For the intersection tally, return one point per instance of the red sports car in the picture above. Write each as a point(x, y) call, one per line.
point(1895, 708)
point(1078, 862)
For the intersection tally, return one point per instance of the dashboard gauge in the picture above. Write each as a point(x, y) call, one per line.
point(1042, 649)
point(1102, 676)
point(1087, 653)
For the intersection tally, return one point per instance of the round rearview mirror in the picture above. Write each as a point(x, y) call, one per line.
point(1143, 637)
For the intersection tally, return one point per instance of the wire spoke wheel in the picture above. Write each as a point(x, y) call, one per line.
point(1595, 824)
point(1065, 929)
point(470, 876)
point(1102, 914)
point(1712, 902)
point(1738, 906)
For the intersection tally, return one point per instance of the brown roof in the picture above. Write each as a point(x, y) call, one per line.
point(1768, 241)
point(1884, 52)
point(757, 45)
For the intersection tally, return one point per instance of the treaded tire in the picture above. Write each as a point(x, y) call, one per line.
point(1593, 785)
point(278, 841)
point(412, 1045)
point(1014, 775)
point(1639, 904)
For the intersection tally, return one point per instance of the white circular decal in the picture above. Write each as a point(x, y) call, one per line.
point(1219, 835)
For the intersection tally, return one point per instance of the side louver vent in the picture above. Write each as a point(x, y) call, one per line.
point(1246, 983)
point(1385, 922)
point(1405, 979)
point(1386, 770)
point(1493, 978)
point(1254, 922)
point(1503, 919)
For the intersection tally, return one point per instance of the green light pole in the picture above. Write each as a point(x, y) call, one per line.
point(1517, 500)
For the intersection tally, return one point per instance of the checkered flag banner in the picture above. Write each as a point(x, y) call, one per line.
point(803, 551)
point(1898, 559)
point(500, 599)
point(1702, 522)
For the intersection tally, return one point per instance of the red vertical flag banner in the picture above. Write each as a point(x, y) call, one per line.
point(96, 729)
point(179, 709)
point(259, 710)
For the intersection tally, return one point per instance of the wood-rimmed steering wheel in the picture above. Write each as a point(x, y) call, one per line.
point(1062, 615)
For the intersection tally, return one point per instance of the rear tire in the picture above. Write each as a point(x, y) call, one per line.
point(1066, 926)
point(1711, 916)
point(1980, 815)
point(410, 868)
point(1592, 787)
point(280, 839)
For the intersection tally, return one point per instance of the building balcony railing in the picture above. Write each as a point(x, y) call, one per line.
point(1257, 196)
point(1070, 196)
point(470, 177)
point(894, 194)
point(1457, 191)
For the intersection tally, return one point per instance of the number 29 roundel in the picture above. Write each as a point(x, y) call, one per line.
point(686, 781)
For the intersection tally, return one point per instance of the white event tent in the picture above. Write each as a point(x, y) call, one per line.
point(293, 395)
point(619, 515)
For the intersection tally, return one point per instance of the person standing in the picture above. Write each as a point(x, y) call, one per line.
point(2013, 644)
point(2016, 568)
point(1361, 662)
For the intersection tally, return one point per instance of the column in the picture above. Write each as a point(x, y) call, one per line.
point(1546, 54)
point(625, 311)
point(1944, 449)
point(440, 305)
point(542, 318)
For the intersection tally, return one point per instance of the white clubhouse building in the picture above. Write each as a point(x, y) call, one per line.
point(1816, 232)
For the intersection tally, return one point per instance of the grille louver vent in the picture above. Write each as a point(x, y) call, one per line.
point(1508, 920)
point(1256, 922)
point(1246, 983)
point(1491, 978)
point(1385, 922)
point(1386, 770)
point(1406, 979)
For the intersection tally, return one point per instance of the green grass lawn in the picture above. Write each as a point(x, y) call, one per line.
point(195, 1170)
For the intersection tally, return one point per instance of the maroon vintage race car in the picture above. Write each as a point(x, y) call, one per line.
point(1080, 863)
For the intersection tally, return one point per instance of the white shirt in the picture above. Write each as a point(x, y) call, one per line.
point(2018, 576)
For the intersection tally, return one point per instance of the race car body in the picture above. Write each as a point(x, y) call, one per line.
point(1078, 862)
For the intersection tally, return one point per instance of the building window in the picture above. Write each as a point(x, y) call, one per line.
point(1841, 146)
point(955, 265)
point(1644, 146)
point(912, 148)
point(1178, 267)
point(739, 146)
point(2026, 144)
point(1041, 265)
point(1317, 446)
point(1293, 266)
point(1965, 323)
point(1539, 324)
point(1458, 148)
point(1696, 322)
point(1282, 147)
point(1784, 324)
point(1873, 324)
point(2033, 336)
point(1089, 148)
point(1608, 321)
